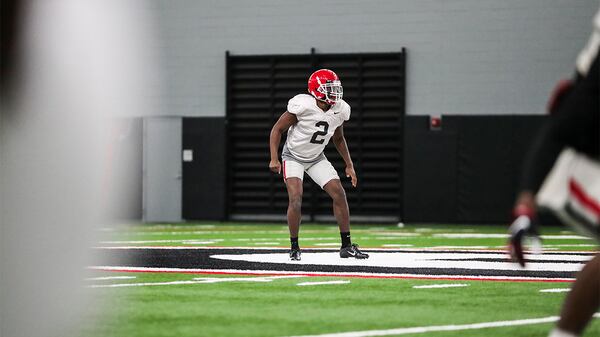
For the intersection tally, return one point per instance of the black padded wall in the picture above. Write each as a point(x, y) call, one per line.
point(468, 171)
point(203, 178)
point(465, 173)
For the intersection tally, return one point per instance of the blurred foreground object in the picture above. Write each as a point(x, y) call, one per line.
point(73, 67)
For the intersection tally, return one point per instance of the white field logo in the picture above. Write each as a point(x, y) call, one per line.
point(555, 262)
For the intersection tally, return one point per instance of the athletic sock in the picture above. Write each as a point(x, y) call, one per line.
point(557, 332)
point(294, 242)
point(346, 241)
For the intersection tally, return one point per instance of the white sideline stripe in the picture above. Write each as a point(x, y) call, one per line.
point(321, 283)
point(110, 278)
point(441, 286)
point(424, 329)
point(326, 274)
point(555, 290)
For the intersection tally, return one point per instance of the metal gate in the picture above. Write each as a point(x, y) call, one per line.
point(258, 88)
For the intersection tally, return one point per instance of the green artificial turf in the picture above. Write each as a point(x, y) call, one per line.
point(282, 308)
point(311, 235)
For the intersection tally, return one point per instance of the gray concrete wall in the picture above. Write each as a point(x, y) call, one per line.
point(465, 57)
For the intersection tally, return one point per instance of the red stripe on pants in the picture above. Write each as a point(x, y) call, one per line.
point(284, 176)
point(587, 201)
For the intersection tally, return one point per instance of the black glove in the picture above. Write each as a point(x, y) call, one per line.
point(522, 230)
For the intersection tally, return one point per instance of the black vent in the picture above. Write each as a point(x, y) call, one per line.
point(258, 89)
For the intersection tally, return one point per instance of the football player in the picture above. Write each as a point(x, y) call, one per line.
point(574, 122)
point(311, 121)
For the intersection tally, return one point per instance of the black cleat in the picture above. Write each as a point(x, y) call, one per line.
point(353, 251)
point(295, 254)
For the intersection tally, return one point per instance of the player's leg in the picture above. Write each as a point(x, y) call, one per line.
point(294, 211)
point(582, 301)
point(579, 115)
point(293, 174)
point(326, 176)
point(340, 205)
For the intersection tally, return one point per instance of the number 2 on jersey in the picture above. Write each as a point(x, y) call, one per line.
point(323, 133)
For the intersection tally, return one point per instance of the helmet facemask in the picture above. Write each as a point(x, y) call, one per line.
point(333, 91)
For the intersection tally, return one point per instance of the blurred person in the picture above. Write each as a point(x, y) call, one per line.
point(311, 121)
point(68, 67)
point(573, 123)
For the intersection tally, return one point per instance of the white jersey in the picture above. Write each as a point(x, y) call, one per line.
point(590, 51)
point(307, 139)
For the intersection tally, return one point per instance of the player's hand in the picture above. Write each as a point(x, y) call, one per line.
point(352, 175)
point(523, 231)
point(275, 166)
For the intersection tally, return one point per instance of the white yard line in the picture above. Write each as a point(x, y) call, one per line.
point(192, 242)
point(425, 329)
point(286, 232)
point(450, 285)
point(197, 280)
point(322, 283)
point(280, 239)
point(555, 290)
point(399, 234)
point(110, 278)
point(243, 279)
point(462, 247)
point(146, 284)
point(209, 241)
point(501, 236)
point(572, 245)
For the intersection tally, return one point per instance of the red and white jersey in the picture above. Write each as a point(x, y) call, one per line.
point(307, 139)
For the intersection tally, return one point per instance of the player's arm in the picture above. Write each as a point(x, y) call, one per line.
point(283, 123)
point(340, 144)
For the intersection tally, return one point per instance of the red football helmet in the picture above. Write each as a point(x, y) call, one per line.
point(325, 86)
